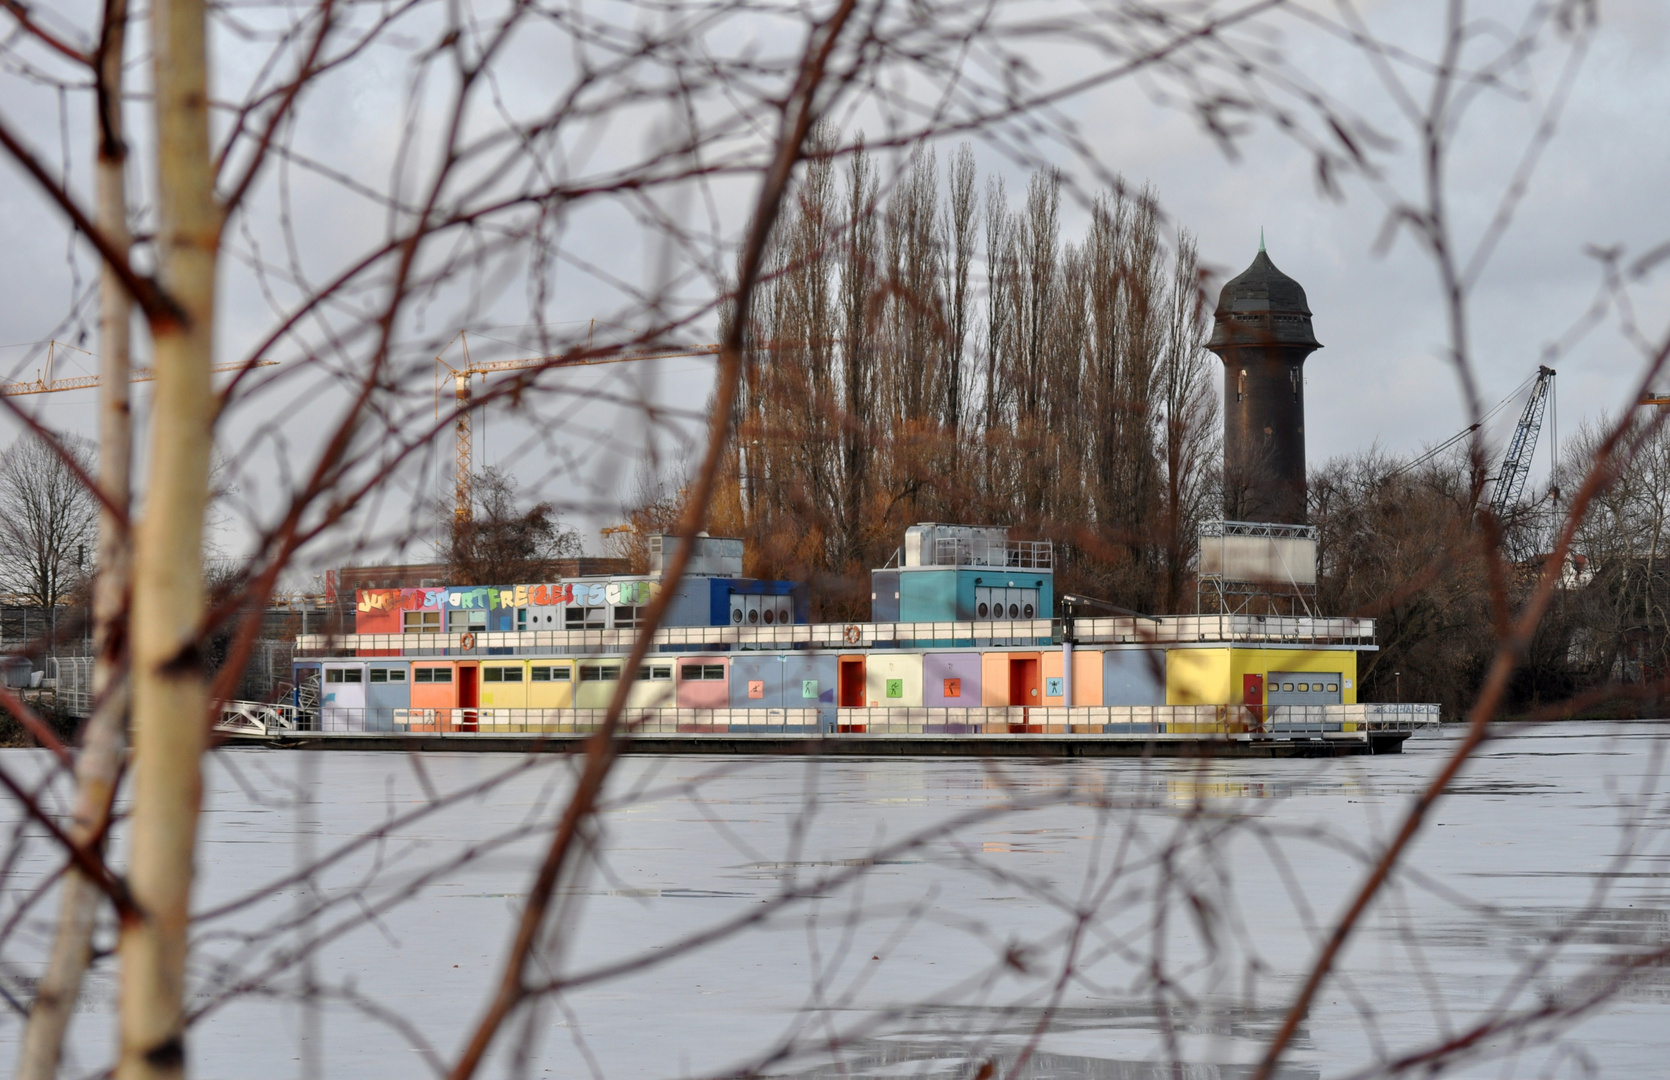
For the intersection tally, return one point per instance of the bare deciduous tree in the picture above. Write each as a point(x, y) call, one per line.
point(504, 541)
point(48, 520)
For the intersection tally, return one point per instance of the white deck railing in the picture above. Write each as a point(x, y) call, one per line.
point(1146, 721)
point(1168, 630)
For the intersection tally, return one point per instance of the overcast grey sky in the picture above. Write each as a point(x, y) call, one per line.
point(1380, 379)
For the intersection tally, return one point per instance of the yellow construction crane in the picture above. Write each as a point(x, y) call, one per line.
point(44, 383)
point(463, 506)
point(1650, 398)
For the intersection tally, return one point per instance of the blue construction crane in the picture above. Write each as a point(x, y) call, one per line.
point(1516, 463)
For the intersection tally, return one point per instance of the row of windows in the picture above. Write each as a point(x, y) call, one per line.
point(536, 673)
point(588, 673)
point(611, 673)
point(574, 618)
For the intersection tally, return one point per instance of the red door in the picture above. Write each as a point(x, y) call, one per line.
point(852, 688)
point(1252, 696)
point(468, 698)
point(1023, 688)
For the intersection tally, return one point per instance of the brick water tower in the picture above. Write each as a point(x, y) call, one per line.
point(1263, 334)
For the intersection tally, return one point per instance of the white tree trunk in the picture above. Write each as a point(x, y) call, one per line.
point(104, 740)
point(169, 699)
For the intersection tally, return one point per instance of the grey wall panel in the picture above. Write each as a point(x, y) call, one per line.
point(1133, 677)
point(691, 604)
point(765, 670)
point(382, 698)
point(802, 670)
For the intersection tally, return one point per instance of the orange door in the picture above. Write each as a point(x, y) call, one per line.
point(1023, 689)
point(1023, 680)
point(852, 682)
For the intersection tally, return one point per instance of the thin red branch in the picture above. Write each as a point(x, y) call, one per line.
point(157, 305)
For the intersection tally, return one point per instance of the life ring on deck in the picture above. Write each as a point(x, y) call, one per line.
point(467, 641)
point(853, 635)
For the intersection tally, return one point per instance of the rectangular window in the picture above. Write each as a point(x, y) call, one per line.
point(702, 672)
point(469, 620)
point(584, 618)
point(560, 673)
point(521, 619)
point(353, 674)
point(626, 618)
point(397, 674)
point(599, 673)
point(492, 674)
point(379, 674)
point(431, 674)
point(421, 622)
point(333, 674)
point(655, 672)
point(512, 674)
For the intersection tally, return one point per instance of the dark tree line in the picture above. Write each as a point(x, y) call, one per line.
point(1407, 546)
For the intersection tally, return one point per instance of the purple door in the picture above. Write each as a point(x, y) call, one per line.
point(951, 680)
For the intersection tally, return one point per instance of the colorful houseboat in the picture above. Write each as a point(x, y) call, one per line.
point(961, 643)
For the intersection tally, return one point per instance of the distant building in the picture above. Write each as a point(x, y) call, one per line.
point(1263, 335)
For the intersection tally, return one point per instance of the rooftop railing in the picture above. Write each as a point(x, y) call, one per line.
point(1123, 630)
point(977, 551)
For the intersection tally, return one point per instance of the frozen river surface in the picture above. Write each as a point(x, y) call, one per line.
point(1106, 919)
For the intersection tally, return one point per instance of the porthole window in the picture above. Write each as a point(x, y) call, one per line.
point(754, 615)
point(770, 616)
point(1287, 687)
point(1014, 611)
point(985, 609)
point(1304, 688)
point(736, 615)
point(1026, 612)
point(1333, 687)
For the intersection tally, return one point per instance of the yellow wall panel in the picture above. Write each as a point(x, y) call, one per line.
point(1341, 662)
point(903, 669)
point(1197, 676)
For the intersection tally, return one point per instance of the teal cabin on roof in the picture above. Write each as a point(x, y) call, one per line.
point(961, 573)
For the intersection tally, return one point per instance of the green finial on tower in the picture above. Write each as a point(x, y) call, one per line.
point(1261, 238)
